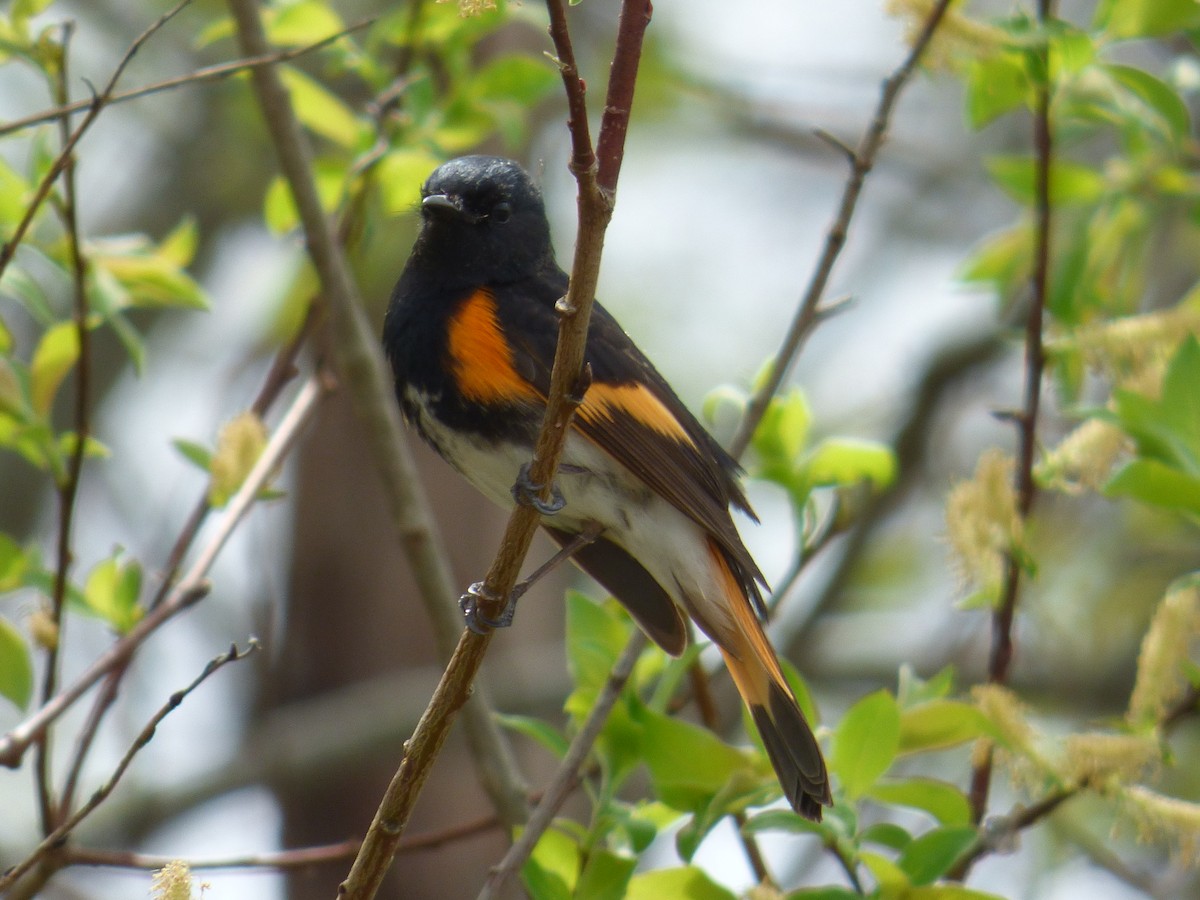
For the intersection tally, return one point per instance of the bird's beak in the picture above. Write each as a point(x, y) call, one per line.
point(442, 202)
point(448, 203)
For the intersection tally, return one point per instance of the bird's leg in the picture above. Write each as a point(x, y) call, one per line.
point(478, 593)
point(526, 493)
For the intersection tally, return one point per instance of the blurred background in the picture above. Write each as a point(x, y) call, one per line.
point(725, 197)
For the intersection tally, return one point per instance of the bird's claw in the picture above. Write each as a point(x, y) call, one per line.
point(479, 623)
point(526, 492)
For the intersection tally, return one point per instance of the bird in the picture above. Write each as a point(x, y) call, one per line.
point(470, 332)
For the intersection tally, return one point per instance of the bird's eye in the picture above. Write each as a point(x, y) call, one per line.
point(501, 213)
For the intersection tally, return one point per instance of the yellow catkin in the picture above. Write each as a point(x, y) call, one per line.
point(958, 38)
point(468, 8)
point(1158, 817)
point(1160, 680)
point(1098, 759)
point(1085, 458)
point(172, 882)
point(982, 524)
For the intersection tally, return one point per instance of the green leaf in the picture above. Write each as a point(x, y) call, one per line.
point(947, 892)
point(688, 764)
point(306, 22)
point(891, 879)
point(943, 801)
point(1145, 18)
point(16, 666)
point(996, 85)
point(279, 209)
point(197, 454)
point(179, 247)
point(824, 893)
point(930, 856)
point(14, 195)
point(605, 876)
point(12, 390)
point(1069, 182)
point(518, 78)
point(149, 280)
point(783, 432)
point(686, 883)
point(13, 563)
point(320, 110)
point(886, 834)
point(552, 870)
point(782, 820)
point(939, 724)
point(1156, 483)
point(1157, 95)
point(542, 732)
point(865, 742)
point(847, 461)
point(1002, 261)
point(595, 638)
point(53, 358)
point(400, 175)
point(112, 590)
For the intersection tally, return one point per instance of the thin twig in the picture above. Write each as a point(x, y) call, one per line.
point(861, 161)
point(83, 379)
point(207, 73)
point(567, 775)
point(283, 860)
point(282, 371)
point(1001, 651)
point(999, 831)
point(94, 106)
point(191, 587)
point(60, 833)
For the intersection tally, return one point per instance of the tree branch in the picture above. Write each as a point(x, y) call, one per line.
point(1001, 652)
point(567, 381)
point(567, 775)
point(56, 837)
point(861, 162)
point(214, 72)
point(191, 587)
point(94, 107)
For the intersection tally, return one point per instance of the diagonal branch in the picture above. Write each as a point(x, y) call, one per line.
point(861, 161)
point(94, 106)
point(208, 73)
point(567, 378)
point(190, 588)
point(56, 837)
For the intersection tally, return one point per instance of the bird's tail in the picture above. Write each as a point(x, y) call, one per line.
point(787, 736)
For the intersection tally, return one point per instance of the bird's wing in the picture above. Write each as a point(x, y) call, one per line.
point(631, 413)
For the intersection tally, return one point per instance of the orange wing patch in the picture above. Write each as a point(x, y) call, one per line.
point(480, 358)
point(605, 401)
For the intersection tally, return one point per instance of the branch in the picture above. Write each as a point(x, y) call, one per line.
point(94, 106)
point(1000, 654)
point(56, 837)
point(282, 860)
point(861, 161)
point(361, 368)
point(68, 490)
point(567, 379)
point(1000, 831)
point(567, 775)
point(208, 73)
point(191, 588)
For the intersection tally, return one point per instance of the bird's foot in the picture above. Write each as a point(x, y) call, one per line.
point(527, 493)
point(479, 622)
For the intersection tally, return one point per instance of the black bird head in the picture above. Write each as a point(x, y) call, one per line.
point(483, 221)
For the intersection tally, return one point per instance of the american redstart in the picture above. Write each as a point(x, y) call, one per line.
point(471, 332)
